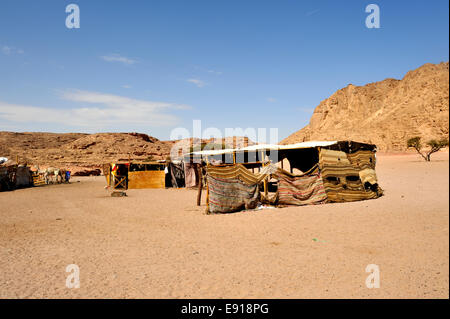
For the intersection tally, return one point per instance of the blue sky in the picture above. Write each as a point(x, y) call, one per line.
point(151, 66)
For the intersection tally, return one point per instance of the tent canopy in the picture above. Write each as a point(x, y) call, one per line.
point(265, 147)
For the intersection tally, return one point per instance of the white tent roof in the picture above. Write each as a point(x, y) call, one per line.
point(307, 145)
point(261, 147)
point(214, 152)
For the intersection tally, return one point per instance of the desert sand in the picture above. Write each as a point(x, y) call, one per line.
point(157, 243)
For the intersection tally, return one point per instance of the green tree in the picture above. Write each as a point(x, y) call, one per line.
point(434, 146)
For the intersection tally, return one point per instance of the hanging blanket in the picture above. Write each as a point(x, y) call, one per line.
point(300, 189)
point(176, 172)
point(238, 171)
point(344, 180)
point(191, 174)
point(228, 195)
point(233, 187)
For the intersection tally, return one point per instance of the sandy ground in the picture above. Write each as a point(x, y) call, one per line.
point(158, 244)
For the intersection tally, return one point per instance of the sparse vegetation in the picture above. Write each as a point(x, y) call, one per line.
point(434, 146)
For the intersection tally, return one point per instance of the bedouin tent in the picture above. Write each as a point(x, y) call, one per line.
point(331, 171)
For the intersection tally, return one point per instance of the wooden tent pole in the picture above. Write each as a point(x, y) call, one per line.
point(207, 197)
point(200, 186)
point(265, 178)
point(207, 188)
point(318, 152)
point(266, 189)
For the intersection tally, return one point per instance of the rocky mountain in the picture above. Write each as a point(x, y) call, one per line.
point(384, 113)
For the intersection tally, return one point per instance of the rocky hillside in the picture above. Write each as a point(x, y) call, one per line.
point(80, 152)
point(84, 153)
point(385, 113)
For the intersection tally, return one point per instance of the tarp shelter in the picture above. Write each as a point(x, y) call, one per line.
point(332, 171)
point(6, 178)
point(23, 177)
point(14, 176)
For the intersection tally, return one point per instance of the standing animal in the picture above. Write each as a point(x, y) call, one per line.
point(52, 174)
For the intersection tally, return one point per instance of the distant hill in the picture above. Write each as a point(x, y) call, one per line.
point(385, 113)
point(77, 151)
point(84, 153)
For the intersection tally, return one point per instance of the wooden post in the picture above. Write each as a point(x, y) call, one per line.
point(234, 157)
point(200, 186)
point(262, 162)
point(207, 188)
point(207, 198)
point(265, 178)
point(318, 153)
point(266, 188)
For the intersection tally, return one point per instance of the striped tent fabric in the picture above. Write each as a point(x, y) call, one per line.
point(238, 171)
point(342, 179)
point(362, 159)
point(227, 195)
point(233, 187)
point(368, 175)
point(333, 158)
point(300, 190)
